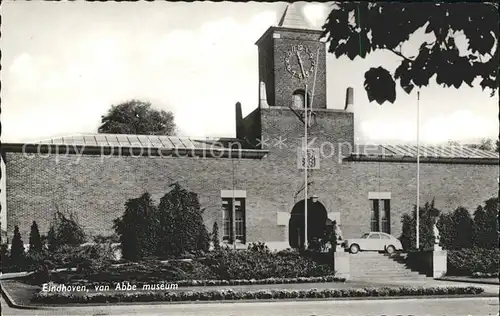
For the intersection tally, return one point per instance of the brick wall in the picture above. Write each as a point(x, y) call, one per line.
point(96, 189)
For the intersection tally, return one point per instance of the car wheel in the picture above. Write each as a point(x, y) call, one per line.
point(390, 249)
point(354, 248)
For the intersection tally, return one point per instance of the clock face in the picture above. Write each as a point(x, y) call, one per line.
point(300, 61)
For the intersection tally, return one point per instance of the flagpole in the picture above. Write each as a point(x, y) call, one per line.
point(418, 173)
point(306, 240)
point(314, 80)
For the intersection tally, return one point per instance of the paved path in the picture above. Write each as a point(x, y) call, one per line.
point(414, 307)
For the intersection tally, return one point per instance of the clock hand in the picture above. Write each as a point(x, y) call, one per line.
point(301, 65)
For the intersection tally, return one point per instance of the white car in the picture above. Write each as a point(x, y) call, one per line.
point(373, 241)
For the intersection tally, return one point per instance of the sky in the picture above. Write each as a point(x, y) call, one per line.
point(65, 63)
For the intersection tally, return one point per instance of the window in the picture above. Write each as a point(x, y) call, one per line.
point(375, 227)
point(386, 217)
point(381, 222)
point(374, 236)
point(384, 236)
point(238, 222)
point(299, 97)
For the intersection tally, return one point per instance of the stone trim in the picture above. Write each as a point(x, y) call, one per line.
point(238, 194)
point(379, 195)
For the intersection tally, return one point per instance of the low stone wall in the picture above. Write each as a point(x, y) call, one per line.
point(431, 262)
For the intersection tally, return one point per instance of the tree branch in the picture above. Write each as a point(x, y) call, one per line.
point(398, 53)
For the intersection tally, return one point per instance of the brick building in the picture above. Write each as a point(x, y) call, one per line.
point(260, 170)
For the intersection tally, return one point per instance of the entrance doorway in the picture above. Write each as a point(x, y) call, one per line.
point(316, 222)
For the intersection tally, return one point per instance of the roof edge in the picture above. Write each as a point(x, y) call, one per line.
point(432, 160)
point(108, 151)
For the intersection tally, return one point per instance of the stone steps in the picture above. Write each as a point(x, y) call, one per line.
point(376, 266)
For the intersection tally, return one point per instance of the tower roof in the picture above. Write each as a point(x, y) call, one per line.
point(293, 17)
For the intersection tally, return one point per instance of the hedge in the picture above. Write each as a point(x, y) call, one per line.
point(186, 283)
point(466, 262)
point(151, 296)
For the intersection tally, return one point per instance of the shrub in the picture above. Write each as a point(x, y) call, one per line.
point(65, 230)
point(137, 228)
point(408, 233)
point(470, 261)
point(100, 239)
point(258, 247)
point(17, 255)
point(174, 228)
point(463, 229)
point(35, 239)
point(458, 230)
point(215, 236)
point(259, 263)
point(486, 225)
point(181, 228)
point(447, 230)
point(4, 257)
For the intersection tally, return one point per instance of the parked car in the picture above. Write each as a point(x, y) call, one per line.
point(373, 241)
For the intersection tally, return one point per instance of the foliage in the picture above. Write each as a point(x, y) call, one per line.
point(4, 257)
point(137, 117)
point(67, 297)
point(408, 233)
point(458, 230)
point(463, 229)
point(100, 239)
point(174, 228)
point(35, 239)
point(180, 223)
point(215, 237)
point(259, 263)
point(484, 144)
point(258, 247)
point(360, 28)
point(137, 228)
point(486, 228)
point(447, 230)
point(17, 255)
point(65, 230)
point(470, 261)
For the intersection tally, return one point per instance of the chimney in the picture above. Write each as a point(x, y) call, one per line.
point(263, 96)
point(240, 133)
point(349, 100)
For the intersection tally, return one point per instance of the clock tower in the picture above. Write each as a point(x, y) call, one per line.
point(292, 56)
point(292, 73)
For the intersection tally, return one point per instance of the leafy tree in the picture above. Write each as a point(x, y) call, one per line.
point(35, 239)
point(484, 144)
point(491, 224)
point(137, 117)
point(52, 243)
point(215, 236)
point(480, 234)
point(360, 28)
point(447, 231)
point(463, 229)
point(408, 232)
point(17, 254)
point(181, 223)
point(137, 228)
point(65, 230)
